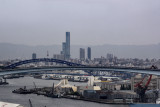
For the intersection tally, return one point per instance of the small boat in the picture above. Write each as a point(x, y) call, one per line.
point(53, 95)
point(4, 83)
point(47, 77)
point(11, 76)
point(22, 91)
point(37, 76)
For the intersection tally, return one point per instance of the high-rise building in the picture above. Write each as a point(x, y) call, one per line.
point(63, 48)
point(67, 46)
point(82, 54)
point(89, 53)
point(34, 56)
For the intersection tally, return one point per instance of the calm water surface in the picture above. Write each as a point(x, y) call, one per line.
point(41, 101)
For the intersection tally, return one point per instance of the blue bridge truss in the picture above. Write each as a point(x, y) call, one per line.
point(12, 66)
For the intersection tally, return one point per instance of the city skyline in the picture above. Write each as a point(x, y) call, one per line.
point(12, 51)
point(79, 53)
point(93, 22)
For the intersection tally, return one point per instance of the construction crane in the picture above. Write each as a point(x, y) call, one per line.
point(142, 89)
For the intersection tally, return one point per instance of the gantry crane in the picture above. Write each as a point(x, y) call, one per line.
point(142, 89)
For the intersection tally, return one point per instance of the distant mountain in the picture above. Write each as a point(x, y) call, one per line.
point(13, 51)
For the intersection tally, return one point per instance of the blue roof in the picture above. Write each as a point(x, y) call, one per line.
point(144, 105)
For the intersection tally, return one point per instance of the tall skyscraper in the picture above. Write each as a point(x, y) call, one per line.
point(34, 56)
point(67, 46)
point(63, 48)
point(89, 53)
point(82, 54)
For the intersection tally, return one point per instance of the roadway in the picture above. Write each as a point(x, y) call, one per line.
point(85, 68)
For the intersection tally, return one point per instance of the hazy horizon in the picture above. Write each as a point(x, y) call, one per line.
point(90, 22)
point(13, 51)
point(60, 44)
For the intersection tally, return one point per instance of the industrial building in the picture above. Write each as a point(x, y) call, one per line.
point(82, 89)
point(114, 85)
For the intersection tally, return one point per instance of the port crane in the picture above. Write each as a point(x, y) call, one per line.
point(142, 89)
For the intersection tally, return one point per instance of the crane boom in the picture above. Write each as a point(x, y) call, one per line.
point(140, 82)
point(149, 80)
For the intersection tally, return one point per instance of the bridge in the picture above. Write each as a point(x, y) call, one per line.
point(14, 65)
point(11, 69)
point(88, 68)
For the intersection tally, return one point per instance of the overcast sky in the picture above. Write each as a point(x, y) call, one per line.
point(91, 22)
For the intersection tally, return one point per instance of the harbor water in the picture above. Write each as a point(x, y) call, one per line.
point(6, 95)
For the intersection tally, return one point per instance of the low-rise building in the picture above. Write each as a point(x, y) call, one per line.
point(81, 89)
point(109, 95)
point(116, 85)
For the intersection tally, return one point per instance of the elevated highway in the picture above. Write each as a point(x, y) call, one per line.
point(12, 68)
point(86, 68)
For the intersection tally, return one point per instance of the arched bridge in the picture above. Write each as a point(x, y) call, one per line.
point(12, 66)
